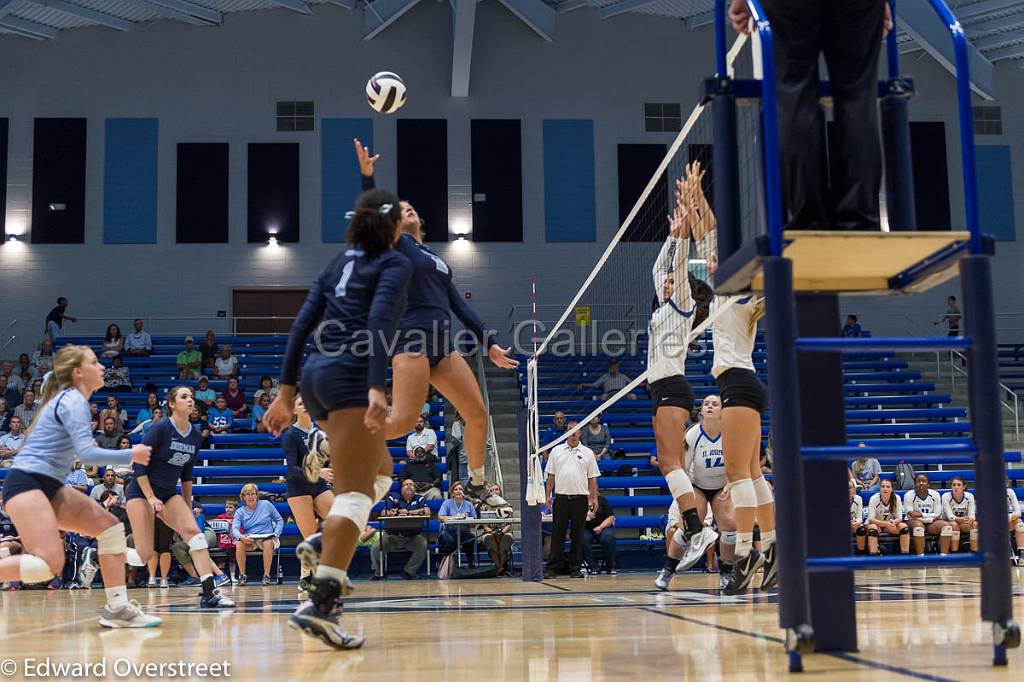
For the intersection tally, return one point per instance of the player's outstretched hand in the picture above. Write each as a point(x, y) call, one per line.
point(366, 162)
point(278, 416)
point(376, 411)
point(141, 454)
point(500, 357)
point(739, 16)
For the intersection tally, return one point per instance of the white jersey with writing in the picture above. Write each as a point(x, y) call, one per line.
point(1012, 504)
point(958, 509)
point(930, 506)
point(856, 510)
point(733, 334)
point(669, 330)
point(704, 461)
point(878, 510)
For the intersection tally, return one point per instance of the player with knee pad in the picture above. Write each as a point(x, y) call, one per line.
point(675, 544)
point(959, 510)
point(153, 492)
point(923, 507)
point(363, 289)
point(1015, 524)
point(885, 515)
point(857, 527)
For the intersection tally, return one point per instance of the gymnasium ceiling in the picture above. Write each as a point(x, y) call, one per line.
point(994, 27)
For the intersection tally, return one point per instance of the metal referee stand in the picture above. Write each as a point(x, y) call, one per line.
point(802, 274)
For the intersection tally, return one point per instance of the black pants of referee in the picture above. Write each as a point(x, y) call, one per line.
point(849, 33)
point(567, 509)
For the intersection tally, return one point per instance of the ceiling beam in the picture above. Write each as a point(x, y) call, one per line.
point(989, 25)
point(182, 10)
point(997, 39)
point(464, 24)
point(1007, 52)
point(570, 5)
point(86, 13)
point(29, 29)
point(294, 5)
point(623, 6)
point(347, 4)
point(698, 20)
point(535, 14)
point(976, 9)
point(380, 14)
point(928, 31)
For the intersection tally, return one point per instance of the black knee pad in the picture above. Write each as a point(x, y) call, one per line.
point(904, 531)
point(862, 531)
point(873, 532)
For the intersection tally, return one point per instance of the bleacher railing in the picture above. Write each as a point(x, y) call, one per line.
point(958, 366)
point(169, 325)
point(12, 337)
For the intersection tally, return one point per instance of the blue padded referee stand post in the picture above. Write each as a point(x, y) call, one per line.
point(531, 540)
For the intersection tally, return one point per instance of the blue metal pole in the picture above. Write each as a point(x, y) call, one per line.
point(720, 49)
point(892, 49)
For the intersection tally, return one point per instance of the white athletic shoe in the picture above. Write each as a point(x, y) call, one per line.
point(151, 582)
point(128, 616)
point(87, 573)
point(663, 579)
point(698, 546)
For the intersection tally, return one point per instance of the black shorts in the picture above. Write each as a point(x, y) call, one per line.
point(18, 481)
point(330, 384)
point(163, 537)
point(741, 388)
point(298, 486)
point(134, 492)
point(436, 344)
point(708, 494)
point(672, 392)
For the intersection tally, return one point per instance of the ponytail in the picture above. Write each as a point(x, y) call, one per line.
point(66, 360)
point(374, 222)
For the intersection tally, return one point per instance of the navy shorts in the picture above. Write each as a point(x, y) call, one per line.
point(330, 384)
point(134, 492)
point(741, 388)
point(18, 481)
point(436, 344)
point(298, 486)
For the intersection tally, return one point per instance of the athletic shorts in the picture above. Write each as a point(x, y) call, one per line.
point(741, 388)
point(18, 481)
point(298, 486)
point(436, 344)
point(672, 392)
point(709, 493)
point(330, 384)
point(163, 537)
point(134, 492)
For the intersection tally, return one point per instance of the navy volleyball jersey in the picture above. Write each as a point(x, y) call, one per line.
point(173, 456)
point(293, 442)
point(358, 300)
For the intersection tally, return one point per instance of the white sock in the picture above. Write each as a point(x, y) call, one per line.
point(117, 596)
point(744, 542)
point(325, 571)
point(767, 539)
point(204, 576)
point(476, 476)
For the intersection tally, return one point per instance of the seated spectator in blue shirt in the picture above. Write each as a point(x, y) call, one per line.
point(152, 402)
point(10, 442)
point(11, 395)
point(257, 525)
point(557, 427)
point(851, 328)
point(144, 426)
point(205, 393)
point(452, 536)
point(5, 416)
point(138, 342)
point(408, 503)
point(77, 478)
point(259, 410)
point(220, 418)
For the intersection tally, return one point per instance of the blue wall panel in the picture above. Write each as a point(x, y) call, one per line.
point(130, 181)
point(995, 191)
point(341, 185)
point(569, 209)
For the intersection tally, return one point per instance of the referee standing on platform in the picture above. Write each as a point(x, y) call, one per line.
point(848, 33)
point(571, 491)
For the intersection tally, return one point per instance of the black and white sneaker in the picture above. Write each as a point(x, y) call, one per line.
point(216, 600)
point(663, 579)
point(743, 572)
point(482, 493)
point(87, 573)
point(698, 546)
point(308, 553)
point(320, 617)
point(771, 570)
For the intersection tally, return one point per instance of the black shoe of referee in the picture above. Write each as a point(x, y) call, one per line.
point(320, 617)
point(743, 572)
point(771, 570)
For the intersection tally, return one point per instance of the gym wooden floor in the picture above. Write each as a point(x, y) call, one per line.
point(912, 624)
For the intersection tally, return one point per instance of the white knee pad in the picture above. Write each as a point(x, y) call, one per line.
point(974, 534)
point(34, 569)
point(5, 552)
point(678, 483)
point(679, 538)
point(132, 558)
point(918, 531)
point(763, 491)
point(743, 493)
point(947, 531)
point(354, 506)
point(381, 486)
point(197, 543)
point(112, 541)
point(1019, 527)
point(728, 537)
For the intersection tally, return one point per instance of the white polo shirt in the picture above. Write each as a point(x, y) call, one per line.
point(572, 469)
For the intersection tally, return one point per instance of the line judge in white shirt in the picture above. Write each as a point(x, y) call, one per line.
point(571, 491)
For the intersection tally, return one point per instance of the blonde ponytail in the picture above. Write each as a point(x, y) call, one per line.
point(65, 361)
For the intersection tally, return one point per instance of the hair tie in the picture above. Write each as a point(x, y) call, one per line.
point(385, 208)
point(349, 215)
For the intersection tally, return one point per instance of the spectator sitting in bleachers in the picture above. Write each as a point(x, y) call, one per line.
point(5, 416)
point(221, 525)
point(138, 343)
point(1016, 525)
point(77, 478)
point(181, 552)
point(885, 515)
point(110, 434)
point(219, 417)
point(424, 474)
point(25, 371)
point(225, 364)
point(197, 418)
point(108, 482)
point(114, 409)
point(42, 359)
point(204, 393)
point(407, 503)
point(152, 402)
point(235, 400)
point(609, 382)
point(113, 342)
point(498, 539)
point(266, 388)
point(12, 396)
point(10, 442)
point(959, 509)
point(189, 361)
point(556, 429)
point(452, 536)
point(28, 407)
point(208, 349)
point(422, 437)
point(259, 410)
point(257, 525)
point(596, 437)
point(143, 427)
point(600, 529)
point(851, 328)
point(866, 473)
point(13, 380)
point(857, 527)
point(924, 515)
point(116, 377)
point(123, 472)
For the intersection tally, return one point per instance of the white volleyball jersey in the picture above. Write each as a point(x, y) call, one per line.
point(1013, 505)
point(704, 461)
point(733, 334)
point(964, 509)
point(930, 507)
point(877, 510)
point(856, 510)
point(669, 331)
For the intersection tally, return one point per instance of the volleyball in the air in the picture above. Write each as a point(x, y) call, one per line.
point(385, 92)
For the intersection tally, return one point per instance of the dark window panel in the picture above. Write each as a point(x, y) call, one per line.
point(202, 194)
point(273, 192)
